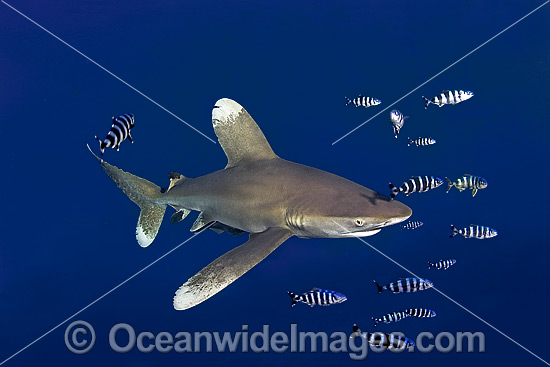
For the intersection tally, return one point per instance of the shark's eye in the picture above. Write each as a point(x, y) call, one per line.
point(359, 222)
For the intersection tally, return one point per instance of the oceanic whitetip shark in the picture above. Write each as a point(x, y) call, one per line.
point(257, 192)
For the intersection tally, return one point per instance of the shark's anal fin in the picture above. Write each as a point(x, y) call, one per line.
point(229, 267)
point(238, 134)
point(201, 223)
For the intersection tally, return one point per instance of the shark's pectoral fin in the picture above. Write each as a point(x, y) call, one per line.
point(238, 134)
point(229, 267)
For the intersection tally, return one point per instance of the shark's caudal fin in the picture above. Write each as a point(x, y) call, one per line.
point(375, 322)
point(348, 101)
point(145, 194)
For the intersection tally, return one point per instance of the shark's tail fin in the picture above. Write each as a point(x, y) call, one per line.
point(394, 190)
point(427, 102)
point(375, 321)
point(295, 298)
point(455, 231)
point(430, 265)
point(145, 194)
point(410, 142)
point(378, 286)
point(348, 101)
point(449, 184)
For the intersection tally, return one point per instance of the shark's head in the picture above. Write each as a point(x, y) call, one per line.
point(346, 214)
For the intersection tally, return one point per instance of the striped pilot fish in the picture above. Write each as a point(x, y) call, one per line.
point(361, 100)
point(449, 97)
point(442, 264)
point(317, 296)
point(398, 120)
point(406, 285)
point(378, 339)
point(421, 142)
point(390, 317)
point(412, 225)
point(474, 231)
point(120, 130)
point(467, 182)
point(420, 312)
point(416, 184)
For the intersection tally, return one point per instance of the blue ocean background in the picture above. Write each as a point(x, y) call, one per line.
point(67, 233)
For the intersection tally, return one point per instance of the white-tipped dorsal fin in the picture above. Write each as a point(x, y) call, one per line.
point(239, 135)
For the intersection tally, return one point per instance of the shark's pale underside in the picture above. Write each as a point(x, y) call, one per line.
point(257, 192)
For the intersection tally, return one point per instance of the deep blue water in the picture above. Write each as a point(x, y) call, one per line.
point(68, 232)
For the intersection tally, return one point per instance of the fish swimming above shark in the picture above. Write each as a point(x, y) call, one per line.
point(257, 192)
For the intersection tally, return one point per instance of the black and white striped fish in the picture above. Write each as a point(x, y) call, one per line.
point(474, 231)
point(442, 264)
point(398, 120)
point(317, 296)
point(390, 317)
point(449, 97)
point(420, 312)
point(120, 130)
point(363, 101)
point(467, 182)
point(379, 339)
point(406, 285)
point(416, 184)
point(421, 142)
point(412, 225)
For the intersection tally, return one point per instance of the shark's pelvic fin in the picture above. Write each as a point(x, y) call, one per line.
point(238, 134)
point(179, 215)
point(229, 267)
point(145, 194)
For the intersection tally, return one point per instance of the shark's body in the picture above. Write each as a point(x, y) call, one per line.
point(260, 193)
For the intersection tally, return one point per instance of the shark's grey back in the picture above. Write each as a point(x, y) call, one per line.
point(238, 133)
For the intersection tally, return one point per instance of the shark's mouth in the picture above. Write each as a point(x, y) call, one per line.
point(365, 233)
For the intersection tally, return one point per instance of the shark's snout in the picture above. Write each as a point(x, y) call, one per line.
point(396, 213)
